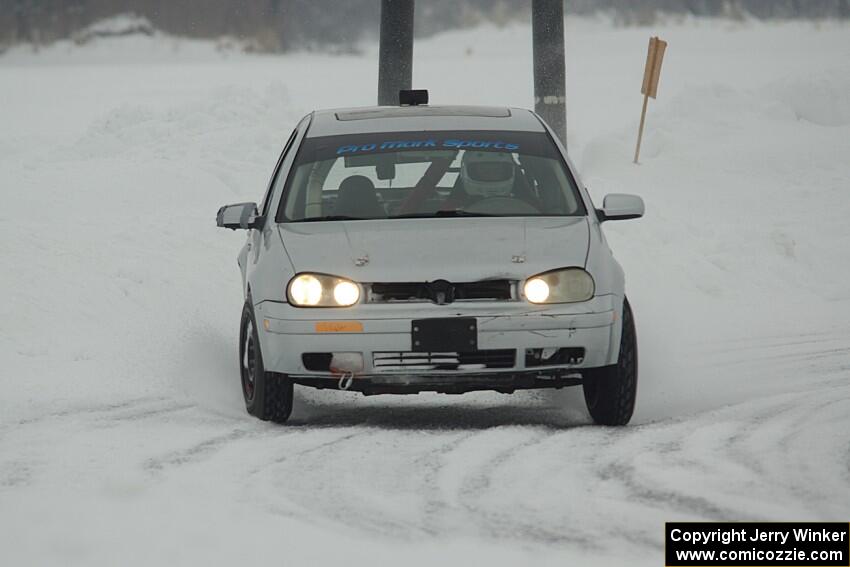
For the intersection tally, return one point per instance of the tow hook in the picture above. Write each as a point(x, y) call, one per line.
point(345, 380)
point(346, 363)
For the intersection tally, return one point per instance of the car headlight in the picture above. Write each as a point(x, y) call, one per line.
point(568, 285)
point(320, 290)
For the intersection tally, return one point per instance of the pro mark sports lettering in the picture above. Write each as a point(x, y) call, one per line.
point(451, 144)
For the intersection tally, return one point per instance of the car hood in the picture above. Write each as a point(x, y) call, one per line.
point(454, 249)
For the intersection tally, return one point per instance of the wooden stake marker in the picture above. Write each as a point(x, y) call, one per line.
point(651, 75)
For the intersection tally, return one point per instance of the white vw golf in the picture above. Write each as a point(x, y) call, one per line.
point(431, 248)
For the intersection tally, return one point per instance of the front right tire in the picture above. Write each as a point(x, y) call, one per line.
point(610, 391)
point(268, 395)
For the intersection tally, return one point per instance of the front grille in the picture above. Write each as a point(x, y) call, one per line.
point(441, 292)
point(487, 289)
point(407, 361)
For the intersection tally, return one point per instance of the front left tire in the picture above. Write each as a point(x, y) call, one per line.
point(268, 395)
point(610, 391)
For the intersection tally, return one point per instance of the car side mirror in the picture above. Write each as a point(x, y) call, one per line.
point(620, 206)
point(240, 215)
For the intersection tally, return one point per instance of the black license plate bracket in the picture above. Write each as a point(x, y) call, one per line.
point(458, 334)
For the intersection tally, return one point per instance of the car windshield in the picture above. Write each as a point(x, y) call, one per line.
point(428, 174)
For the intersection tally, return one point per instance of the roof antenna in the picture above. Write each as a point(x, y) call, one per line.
point(413, 97)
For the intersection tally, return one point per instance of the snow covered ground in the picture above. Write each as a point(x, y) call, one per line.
point(122, 434)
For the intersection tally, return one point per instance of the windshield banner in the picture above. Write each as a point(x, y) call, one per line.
point(329, 147)
point(431, 143)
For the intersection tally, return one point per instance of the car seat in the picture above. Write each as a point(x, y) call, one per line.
point(357, 198)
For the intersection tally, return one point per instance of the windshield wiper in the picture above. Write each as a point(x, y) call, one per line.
point(330, 218)
point(453, 213)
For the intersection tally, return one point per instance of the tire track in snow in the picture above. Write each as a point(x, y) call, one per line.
point(827, 346)
point(462, 475)
point(82, 410)
point(137, 414)
point(319, 484)
point(811, 422)
point(196, 452)
point(776, 441)
point(627, 475)
point(476, 485)
point(407, 472)
point(436, 507)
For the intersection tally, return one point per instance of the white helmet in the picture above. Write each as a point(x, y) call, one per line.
point(487, 174)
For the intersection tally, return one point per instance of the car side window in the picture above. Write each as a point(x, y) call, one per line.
point(267, 199)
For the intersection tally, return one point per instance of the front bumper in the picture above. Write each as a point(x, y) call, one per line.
point(286, 333)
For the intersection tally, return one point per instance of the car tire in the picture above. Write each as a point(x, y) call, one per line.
point(268, 395)
point(610, 391)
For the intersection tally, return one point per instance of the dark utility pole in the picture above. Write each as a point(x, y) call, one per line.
point(395, 57)
point(547, 27)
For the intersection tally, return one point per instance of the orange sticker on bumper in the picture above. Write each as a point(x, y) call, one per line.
point(339, 327)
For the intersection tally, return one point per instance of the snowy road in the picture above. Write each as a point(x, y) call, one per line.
point(122, 436)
